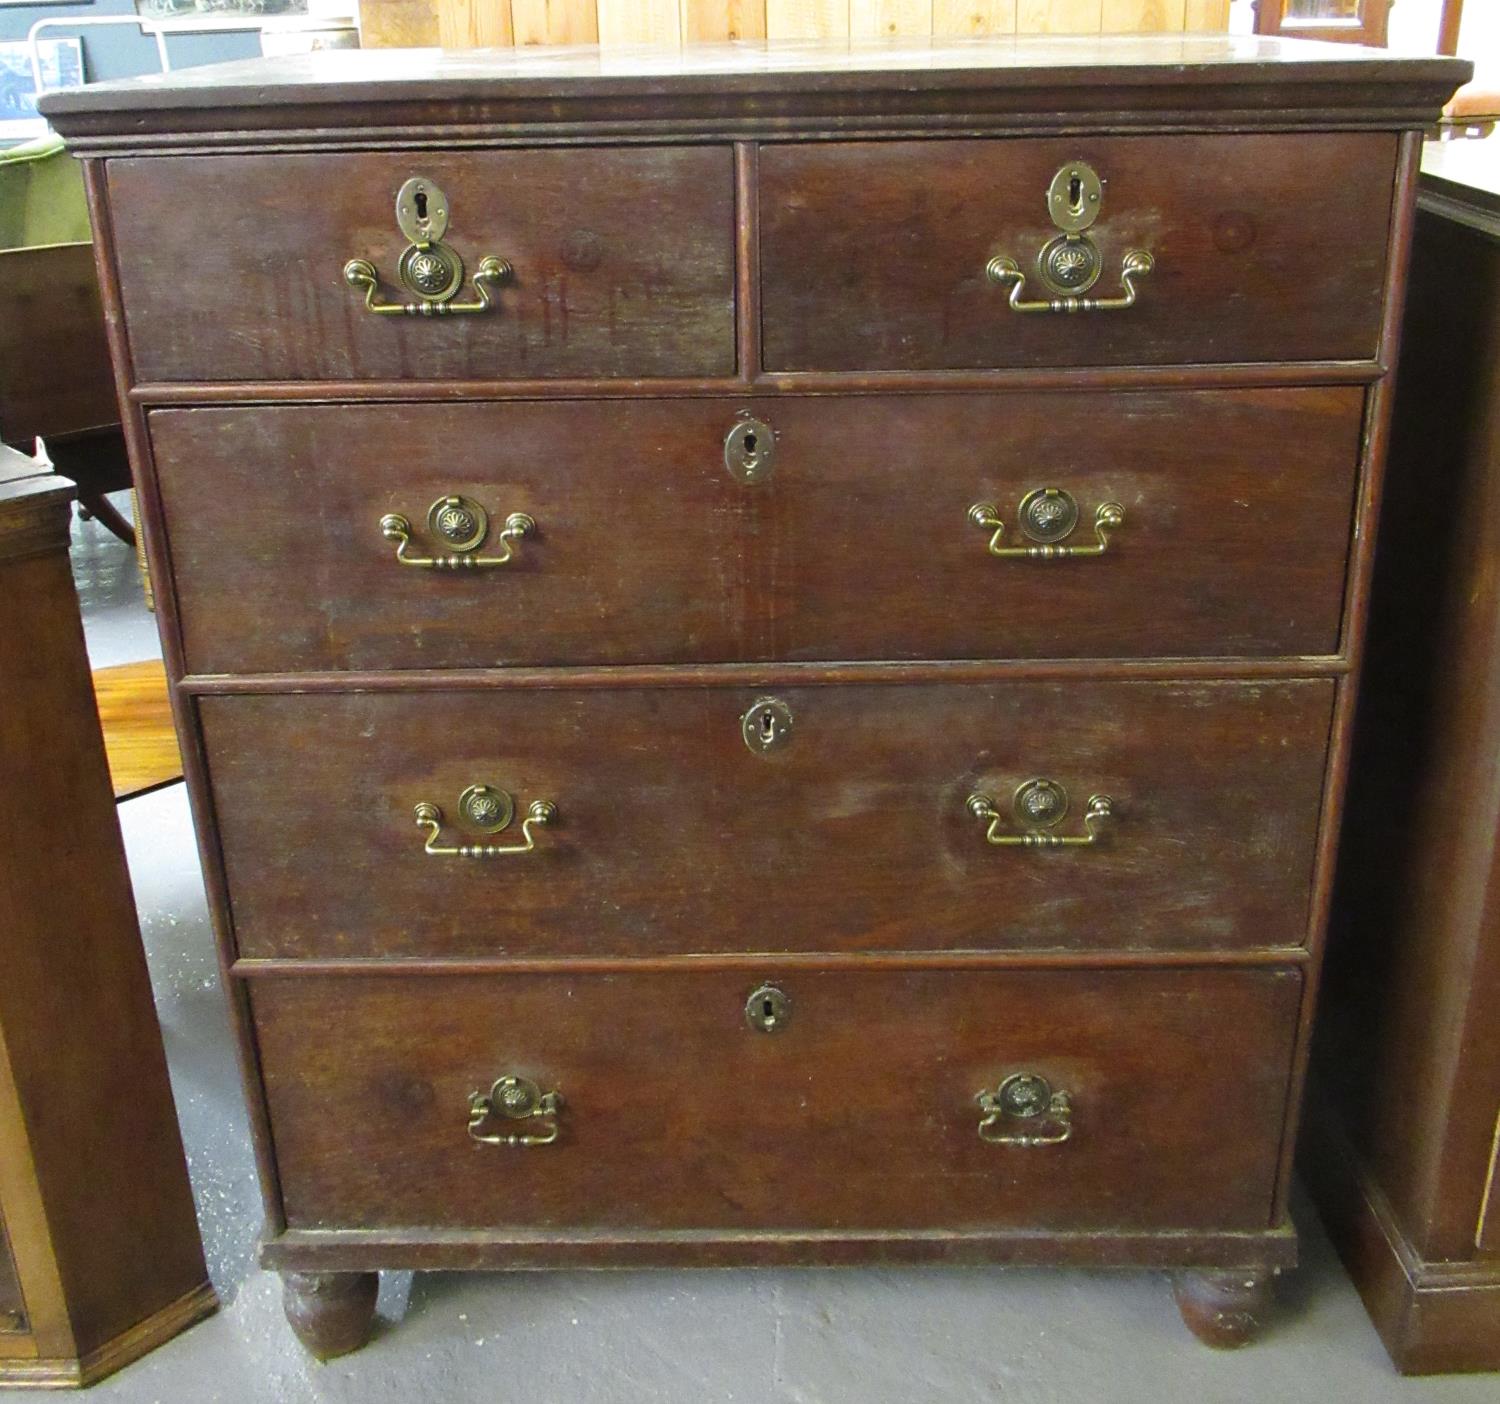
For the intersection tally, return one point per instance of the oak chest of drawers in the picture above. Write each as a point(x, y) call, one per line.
point(764, 637)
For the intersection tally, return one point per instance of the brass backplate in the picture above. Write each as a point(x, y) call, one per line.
point(434, 272)
point(1070, 264)
point(486, 808)
point(1040, 804)
point(1024, 1095)
point(1048, 514)
point(459, 522)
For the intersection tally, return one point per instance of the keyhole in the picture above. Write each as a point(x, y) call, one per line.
point(420, 198)
point(768, 732)
point(768, 1012)
point(1075, 193)
point(750, 445)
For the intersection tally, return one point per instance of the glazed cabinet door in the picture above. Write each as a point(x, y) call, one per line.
point(12, 1305)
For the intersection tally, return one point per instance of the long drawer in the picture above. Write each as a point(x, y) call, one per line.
point(859, 541)
point(622, 264)
point(856, 828)
point(860, 1111)
point(876, 255)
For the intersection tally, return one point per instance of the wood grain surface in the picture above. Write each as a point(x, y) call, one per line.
point(135, 714)
point(93, 1183)
point(830, 280)
point(475, 23)
point(858, 545)
point(1407, 1062)
point(673, 837)
point(859, 1114)
point(873, 255)
point(623, 264)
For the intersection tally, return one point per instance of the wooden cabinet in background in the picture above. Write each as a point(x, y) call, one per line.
point(1402, 1133)
point(100, 1258)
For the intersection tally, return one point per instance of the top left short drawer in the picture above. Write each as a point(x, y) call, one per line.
point(232, 267)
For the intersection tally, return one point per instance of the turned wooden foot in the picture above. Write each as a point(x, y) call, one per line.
point(1224, 1308)
point(331, 1312)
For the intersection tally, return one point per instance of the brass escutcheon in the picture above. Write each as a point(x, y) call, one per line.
point(1074, 197)
point(768, 1009)
point(767, 725)
point(750, 450)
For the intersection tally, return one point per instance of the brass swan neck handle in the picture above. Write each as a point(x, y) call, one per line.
point(463, 525)
point(490, 810)
point(1036, 807)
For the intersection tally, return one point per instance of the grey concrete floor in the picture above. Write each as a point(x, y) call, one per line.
point(926, 1336)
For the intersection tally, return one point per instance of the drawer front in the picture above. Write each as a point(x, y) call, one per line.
point(623, 265)
point(1265, 248)
point(1236, 510)
point(859, 1113)
point(852, 833)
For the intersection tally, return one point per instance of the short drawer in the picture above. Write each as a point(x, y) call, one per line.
point(622, 265)
point(853, 831)
point(1263, 248)
point(860, 1112)
point(1234, 512)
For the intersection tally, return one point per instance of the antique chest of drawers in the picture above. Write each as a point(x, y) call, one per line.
point(764, 637)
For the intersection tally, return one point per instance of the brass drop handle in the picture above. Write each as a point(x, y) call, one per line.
point(1036, 807)
point(428, 268)
point(1047, 516)
point(489, 810)
point(513, 1098)
point(1003, 271)
point(1024, 1111)
point(463, 524)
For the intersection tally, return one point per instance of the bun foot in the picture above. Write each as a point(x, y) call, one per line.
point(331, 1312)
point(1223, 1308)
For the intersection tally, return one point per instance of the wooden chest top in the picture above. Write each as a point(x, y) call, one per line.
point(772, 89)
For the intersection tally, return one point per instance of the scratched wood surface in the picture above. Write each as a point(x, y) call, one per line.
point(1207, 562)
point(861, 819)
point(469, 24)
point(589, 295)
point(801, 1129)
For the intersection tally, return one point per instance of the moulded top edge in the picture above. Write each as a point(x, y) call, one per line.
point(787, 69)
